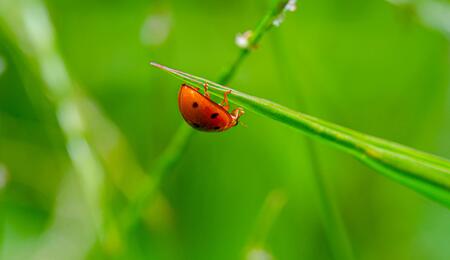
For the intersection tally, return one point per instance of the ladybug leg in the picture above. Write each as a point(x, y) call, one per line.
point(236, 114)
point(224, 102)
point(205, 86)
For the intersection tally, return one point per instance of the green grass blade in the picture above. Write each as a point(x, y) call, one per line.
point(269, 214)
point(336, 233)
point(33, 54)
point(425, 173)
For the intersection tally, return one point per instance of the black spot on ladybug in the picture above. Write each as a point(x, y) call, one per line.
point(195, 105)
point(196, 125)
point(217, 127)
point(214, 115)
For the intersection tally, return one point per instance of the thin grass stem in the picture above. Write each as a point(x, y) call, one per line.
point(270, 211)
point(336, 233)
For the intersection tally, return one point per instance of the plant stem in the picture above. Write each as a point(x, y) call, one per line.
point(227, 76)
point(425, 173)
point(165, 162)
point(263, 26)
point(338, 240)
point(271, 209)
point(336, 233)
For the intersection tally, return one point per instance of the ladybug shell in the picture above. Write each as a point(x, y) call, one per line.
point(202, 113)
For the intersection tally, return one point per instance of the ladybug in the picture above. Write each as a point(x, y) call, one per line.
point(203, 114)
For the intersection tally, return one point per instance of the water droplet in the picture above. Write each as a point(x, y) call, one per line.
point(243, 39)
point(277, 22)
point(291, 6)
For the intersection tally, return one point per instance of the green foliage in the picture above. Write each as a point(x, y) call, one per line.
point(87, 130)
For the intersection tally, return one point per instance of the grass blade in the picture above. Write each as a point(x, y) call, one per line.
point(336, 233)
point(270, 211)
point(425, 173)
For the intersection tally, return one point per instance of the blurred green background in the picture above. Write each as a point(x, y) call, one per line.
point(83, 119)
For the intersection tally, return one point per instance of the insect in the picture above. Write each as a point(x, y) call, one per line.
point(203, 114)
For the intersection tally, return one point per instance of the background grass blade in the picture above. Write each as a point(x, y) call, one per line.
point(21, 21)
point(334, 227)
point(424, 173)
point(270, 211)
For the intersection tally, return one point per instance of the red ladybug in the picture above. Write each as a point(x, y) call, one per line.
point(203, 114)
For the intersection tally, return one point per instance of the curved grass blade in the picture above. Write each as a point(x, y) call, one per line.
point(425, 173)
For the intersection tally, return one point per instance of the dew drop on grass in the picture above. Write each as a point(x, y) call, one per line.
point(291, 6)
point(243, 39)
point(277, 22)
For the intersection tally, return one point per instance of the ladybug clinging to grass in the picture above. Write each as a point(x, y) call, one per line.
point(203, 114)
